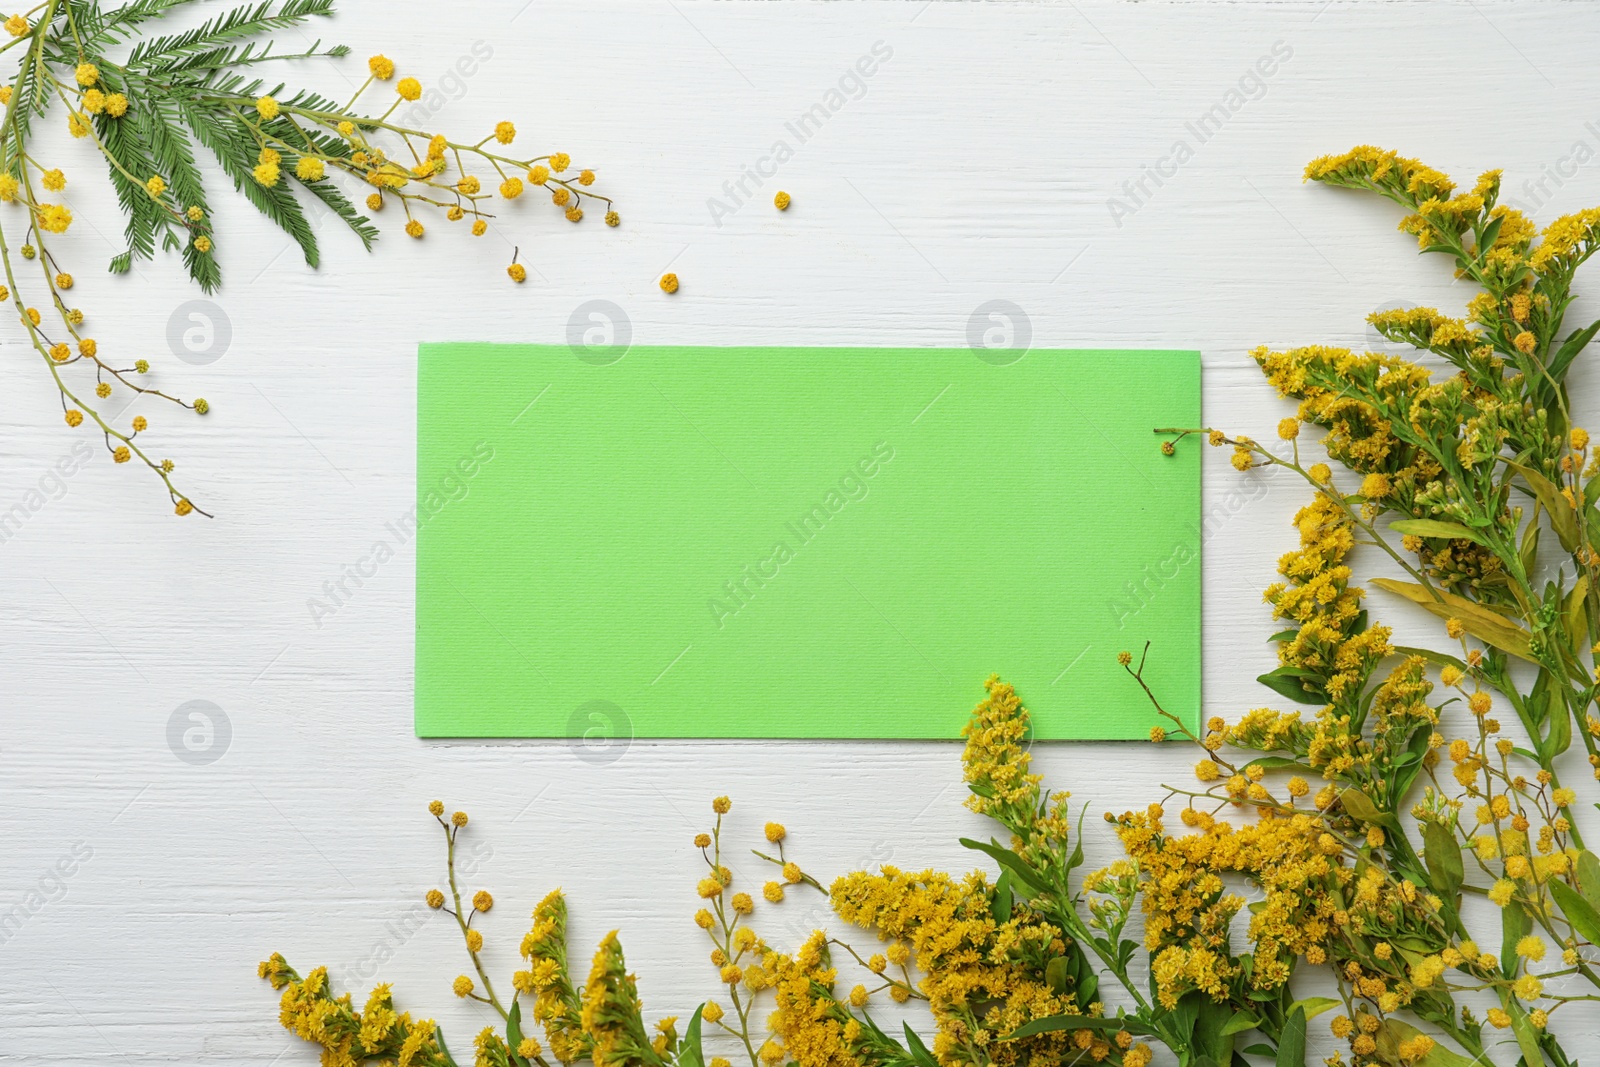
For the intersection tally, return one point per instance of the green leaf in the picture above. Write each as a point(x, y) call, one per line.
point(1360, 806)
point(1574, 344)
point(1392, 1032)
point(690, 1053)
point(1291, 682)
point(919, 1052)
point(1436, 528)
point(1277, 763)
point(1055, 974)
point(1000, 906)
point(438, 1034)
point(1579, 912)
point(1480, 622)
point(514, 1032)
point(1292, 1042)
point(1438, 659)
point(1315, 1006)
point(1009, 861)
point(1514, 926)
point(1589, 878)
point(1527, 1040)
point(1563, 520)
point(1240, 1022)
point(1442, 855)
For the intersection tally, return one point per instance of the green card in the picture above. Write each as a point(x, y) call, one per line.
point(800, 542)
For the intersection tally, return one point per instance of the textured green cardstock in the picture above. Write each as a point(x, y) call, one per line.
point(801, 542)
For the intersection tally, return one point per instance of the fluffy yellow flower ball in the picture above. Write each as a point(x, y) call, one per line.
point(16, 25)
point(518, 272)
point(202, 244)
point(505, 132)
point(560, 161)
point(480, 228)
point(77, 125)
point(414, 229)
point(309, 169)
point(267, 108)
point(266, 173)
point(116, 105)
point(52, 180)
point(382, 67)
point(87, 74)
point(511, 188)
point(74, 418)
point(156, 186)
point(782, 201)
point(409, 89)
point(669, 283)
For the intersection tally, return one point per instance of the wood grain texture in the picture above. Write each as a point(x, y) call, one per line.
point(975, 164)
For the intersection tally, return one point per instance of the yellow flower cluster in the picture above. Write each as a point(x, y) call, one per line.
point(349, 1038)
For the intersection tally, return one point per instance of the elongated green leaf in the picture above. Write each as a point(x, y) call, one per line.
point(1000, 906)
point(1579, 912)
point(1240, 1022)
point(514, 1032)
point(690, 1052)
point(1575, 343)
point(1055, 975)
point(1479, 621)
point(1563, 520)
point(1292, 1042)
point(919, 1052)
point(1393, 1032)
point(1315, 1006)
point(1360, 806)
point(1436, 528)
point(1292, 682)
point(1277, 763)
point(1009, 861)
point(1442, 855)
point(1527, 1040)
point(1514, 926)
point(1589, 878)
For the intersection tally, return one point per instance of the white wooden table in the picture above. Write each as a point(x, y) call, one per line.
point(996, 152)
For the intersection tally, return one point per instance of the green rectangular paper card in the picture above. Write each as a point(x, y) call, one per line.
point(801, 542)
